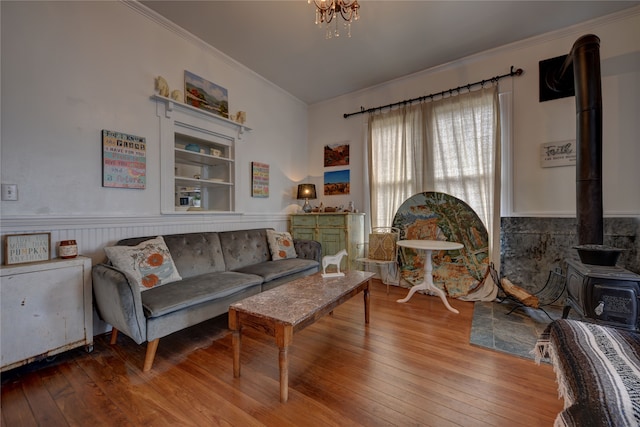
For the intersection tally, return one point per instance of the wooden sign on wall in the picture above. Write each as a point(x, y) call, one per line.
point(21, 248)
point(124, 160)
point(259, 179)
point(561, 153)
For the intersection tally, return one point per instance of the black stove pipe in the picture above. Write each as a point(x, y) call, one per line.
point(585, 56)
point(587, 81)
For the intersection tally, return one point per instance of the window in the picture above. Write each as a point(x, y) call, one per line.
point(449, 145)
point(396, 169)
point(463, 131)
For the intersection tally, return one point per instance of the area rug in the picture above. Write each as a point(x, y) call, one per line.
point(514, 333)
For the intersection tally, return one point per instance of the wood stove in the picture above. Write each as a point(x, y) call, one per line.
point(607, 295)
point(597, 289)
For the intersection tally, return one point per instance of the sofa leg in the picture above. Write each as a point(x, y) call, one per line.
point(152, 346)
point(114, 336)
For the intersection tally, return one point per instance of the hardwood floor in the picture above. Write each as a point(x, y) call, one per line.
point(413, 365)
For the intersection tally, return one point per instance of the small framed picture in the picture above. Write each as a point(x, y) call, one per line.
point(22, 248)
point(259, 179)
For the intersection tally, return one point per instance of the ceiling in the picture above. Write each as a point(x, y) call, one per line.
point(279, 41)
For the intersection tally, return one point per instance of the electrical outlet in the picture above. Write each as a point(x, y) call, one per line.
point(9, 192)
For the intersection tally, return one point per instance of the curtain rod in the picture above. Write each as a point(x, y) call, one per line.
point(511, 73)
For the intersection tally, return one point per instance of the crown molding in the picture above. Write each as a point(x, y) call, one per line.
point(192, 38)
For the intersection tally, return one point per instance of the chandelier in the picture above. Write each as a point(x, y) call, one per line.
point(326, 10)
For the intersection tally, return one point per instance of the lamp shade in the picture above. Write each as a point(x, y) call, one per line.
point(307, 191)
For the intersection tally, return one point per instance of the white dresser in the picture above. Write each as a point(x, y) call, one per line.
point(46, 308)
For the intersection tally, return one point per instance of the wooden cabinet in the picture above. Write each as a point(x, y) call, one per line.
point(46, 309)
point(198, 158)
point(335, 231)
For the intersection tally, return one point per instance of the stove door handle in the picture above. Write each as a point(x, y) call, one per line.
point(599, 308)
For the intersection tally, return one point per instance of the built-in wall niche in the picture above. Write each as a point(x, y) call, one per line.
point(198, 171)
point(203, 173)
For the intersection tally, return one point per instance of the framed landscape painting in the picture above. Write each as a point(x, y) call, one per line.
point(336, 154)
point(337, 183)
point(203, 94)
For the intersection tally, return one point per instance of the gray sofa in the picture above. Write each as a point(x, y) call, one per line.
point(217, 269)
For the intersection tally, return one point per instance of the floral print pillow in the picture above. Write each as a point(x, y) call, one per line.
point(281, 245)
point(148, 263)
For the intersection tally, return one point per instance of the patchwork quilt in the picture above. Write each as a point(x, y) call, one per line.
point(598, 372)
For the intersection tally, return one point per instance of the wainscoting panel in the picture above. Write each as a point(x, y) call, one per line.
point(531, 247)
point(92, 234)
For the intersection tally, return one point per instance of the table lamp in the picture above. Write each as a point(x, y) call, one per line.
point(306, 192)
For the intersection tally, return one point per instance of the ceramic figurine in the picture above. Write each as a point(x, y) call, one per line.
point(162, 86)
point(176, 95)
point(333, 260)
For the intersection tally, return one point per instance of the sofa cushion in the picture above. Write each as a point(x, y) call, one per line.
point(148, 263)
point(244, 247)
point(281, 245)
point(196, 253)
point(195, 290)
point(272, 270)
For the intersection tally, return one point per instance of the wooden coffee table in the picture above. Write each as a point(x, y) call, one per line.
point(289, 308)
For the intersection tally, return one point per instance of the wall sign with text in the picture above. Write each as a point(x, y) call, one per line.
point(259, 179)
point(561, 153)
point(21, 248)
point(124, 160)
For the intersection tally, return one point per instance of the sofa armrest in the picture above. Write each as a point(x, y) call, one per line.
point(308, 249)
point(118, 301)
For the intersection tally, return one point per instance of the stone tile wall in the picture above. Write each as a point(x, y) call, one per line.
point(531, 247)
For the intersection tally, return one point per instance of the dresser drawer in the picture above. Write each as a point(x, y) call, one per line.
point(338, 220)
point(303, 220)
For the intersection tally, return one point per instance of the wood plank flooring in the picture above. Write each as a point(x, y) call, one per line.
point(412, 366)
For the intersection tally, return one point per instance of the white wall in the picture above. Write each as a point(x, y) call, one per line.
point(71, 69)
point(536, 191)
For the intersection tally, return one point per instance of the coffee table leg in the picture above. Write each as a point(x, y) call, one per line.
point(284, 337)
point(283, 359)
point(235, 342)
point(234, 325)
point(367, 297)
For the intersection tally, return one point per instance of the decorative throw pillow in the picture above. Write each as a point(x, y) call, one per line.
point(148, 263)
point(382, 246)
point(281, 245)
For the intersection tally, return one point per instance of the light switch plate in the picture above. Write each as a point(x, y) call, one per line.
point(9, 192)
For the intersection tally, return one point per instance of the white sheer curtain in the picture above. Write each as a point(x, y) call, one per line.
point(451, 145)
point(463, 140)
point(396, 160)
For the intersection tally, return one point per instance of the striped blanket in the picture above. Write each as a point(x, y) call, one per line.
point(598, 372)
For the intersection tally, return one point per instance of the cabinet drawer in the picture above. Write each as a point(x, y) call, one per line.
point(303, 233)
point(332, 220)
point(303, 220)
